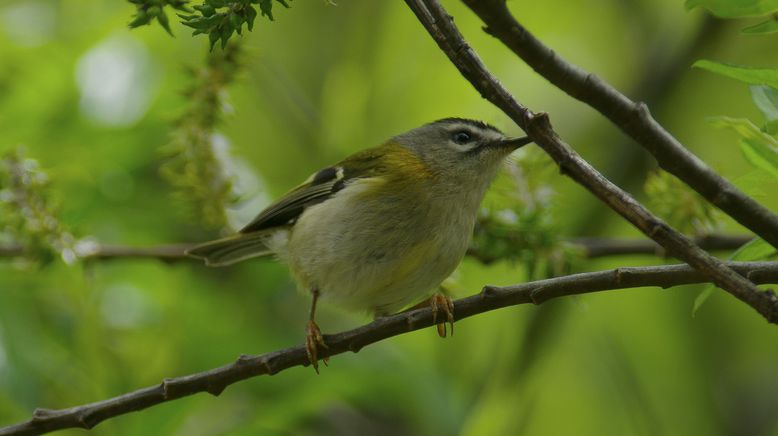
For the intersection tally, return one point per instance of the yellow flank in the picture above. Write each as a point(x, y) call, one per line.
point(405, 163)
point(413, 260)
point(388, 160)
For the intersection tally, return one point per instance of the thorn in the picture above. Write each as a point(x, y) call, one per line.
point(41, 413)
point(534, 294)
point(215, 390)
point(488, 291)
point(166, 388)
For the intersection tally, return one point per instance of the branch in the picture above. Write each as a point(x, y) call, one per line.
point(592, 248)
point(442, 29)
point(601, 247)
point(165, 253)
point(631, 117)
point(490, 298)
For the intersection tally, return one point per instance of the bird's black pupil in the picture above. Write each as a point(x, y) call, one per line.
point(461, 137)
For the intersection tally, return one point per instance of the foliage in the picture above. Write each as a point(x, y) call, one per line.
point(193, 163)
point(759, 145)
point(219, 19)
point(742, 8)
point(768, 26)
point(26, 216)
point(521, 226)
point(682, 207)
point(148, 10)
point(758, 76)
point(766, 99)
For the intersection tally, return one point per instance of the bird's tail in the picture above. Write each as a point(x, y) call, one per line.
point(232, 249)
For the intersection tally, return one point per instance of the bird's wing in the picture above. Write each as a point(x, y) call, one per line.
point(319, 187)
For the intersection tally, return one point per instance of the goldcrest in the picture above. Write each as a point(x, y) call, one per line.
point(382, 228)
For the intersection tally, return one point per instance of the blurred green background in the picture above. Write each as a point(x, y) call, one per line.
point(95, 103)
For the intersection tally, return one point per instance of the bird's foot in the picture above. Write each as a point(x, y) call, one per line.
point(439, 302)
point(314, 340)
point(442, 303)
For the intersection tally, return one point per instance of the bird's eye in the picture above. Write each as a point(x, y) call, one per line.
point(461, 137)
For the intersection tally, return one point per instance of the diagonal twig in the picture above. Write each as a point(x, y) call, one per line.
point(631, 117)
point(441, 27)
point(214, 381)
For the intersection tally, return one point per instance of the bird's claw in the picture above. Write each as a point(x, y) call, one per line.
point(314, 340)
point(445, 304)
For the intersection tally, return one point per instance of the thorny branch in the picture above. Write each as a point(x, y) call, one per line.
point(441, 27)
point(632, 117)
point(214, 381)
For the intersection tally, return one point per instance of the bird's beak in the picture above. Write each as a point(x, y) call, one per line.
point(514, 143)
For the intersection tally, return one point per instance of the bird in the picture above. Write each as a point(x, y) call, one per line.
point(381, 229)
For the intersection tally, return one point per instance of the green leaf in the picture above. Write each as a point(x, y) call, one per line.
point(766, 99)
point(702, 298)
point(755, 76)
point(236, 21)
point(219, 19)
point(768, 26)
point(758, 147)
point(141, 18)
point(753, 250)
point(760, 157)
point(251, 14)
point(771, 127)
point(266, 7)
point(164, 22)
point(213, 37)
point(735, 8)
point(206, 9)
point(226, 33)
point(754, 182)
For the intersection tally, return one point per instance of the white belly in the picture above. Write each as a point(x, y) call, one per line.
point(392, 255)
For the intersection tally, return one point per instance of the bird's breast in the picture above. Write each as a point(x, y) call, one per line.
point(374, 247)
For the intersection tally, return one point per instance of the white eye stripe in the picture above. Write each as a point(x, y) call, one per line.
point(463, 148)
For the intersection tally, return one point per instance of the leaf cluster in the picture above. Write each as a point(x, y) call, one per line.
point(679, 205)
point(741, 9)
point(27, 217)
point(523, 226)
point(219, 19)
point(759, 144)
point(149, 10)
point(193, 165)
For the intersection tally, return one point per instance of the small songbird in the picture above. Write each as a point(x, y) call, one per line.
point(382, 228)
